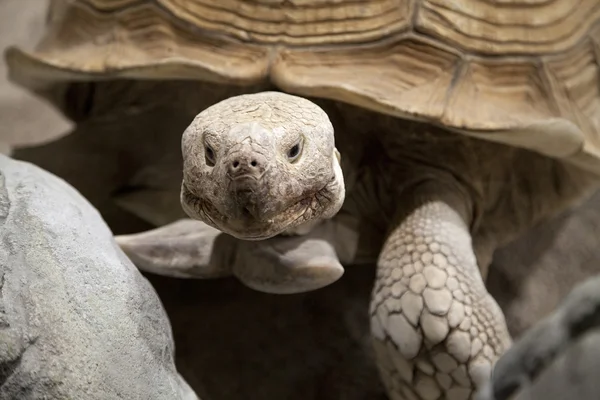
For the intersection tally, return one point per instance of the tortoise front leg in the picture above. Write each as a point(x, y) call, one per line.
point(182, 249)
point(437, 331)
point(283, 264)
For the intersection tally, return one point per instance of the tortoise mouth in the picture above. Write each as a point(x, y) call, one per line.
point(245, 225)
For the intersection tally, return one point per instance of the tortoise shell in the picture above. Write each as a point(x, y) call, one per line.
point(519, 72)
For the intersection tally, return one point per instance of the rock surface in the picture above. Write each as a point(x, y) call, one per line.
point(573, 375)
point(559, 358)
point(77, 320)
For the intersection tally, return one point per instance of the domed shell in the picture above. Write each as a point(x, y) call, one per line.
point(519, 72)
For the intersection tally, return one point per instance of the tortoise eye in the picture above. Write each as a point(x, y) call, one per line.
point(209, 156)
point(294, 151)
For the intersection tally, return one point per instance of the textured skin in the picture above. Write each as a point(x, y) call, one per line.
point(251, 188)
point(430, 308)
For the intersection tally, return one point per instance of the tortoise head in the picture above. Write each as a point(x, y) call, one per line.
point(257, 165)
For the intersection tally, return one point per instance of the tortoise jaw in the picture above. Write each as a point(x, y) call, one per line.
point(248, 224)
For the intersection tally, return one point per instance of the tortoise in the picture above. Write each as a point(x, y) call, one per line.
point(459, 125)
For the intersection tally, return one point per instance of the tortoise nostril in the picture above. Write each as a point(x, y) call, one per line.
point(246, 164)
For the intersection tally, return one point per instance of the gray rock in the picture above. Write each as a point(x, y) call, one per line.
point(77, 320)
point(573, 375)
point(559, 357)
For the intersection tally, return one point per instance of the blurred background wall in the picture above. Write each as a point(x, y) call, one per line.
point(23, 118)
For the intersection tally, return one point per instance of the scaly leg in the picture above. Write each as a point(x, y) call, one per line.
point(283, 264)
point(437, 331)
